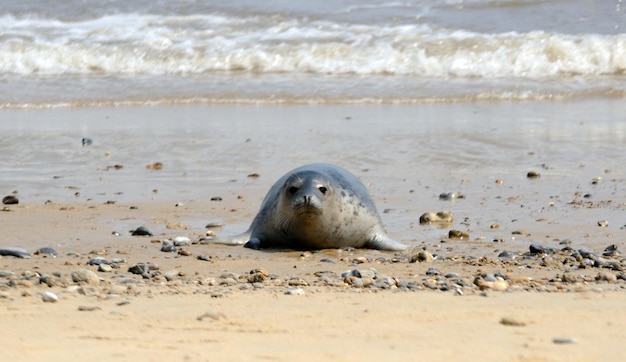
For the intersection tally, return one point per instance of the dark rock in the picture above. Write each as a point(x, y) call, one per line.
point(141, 231)
point(10, 200)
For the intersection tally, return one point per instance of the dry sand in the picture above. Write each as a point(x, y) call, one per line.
point(409, 315)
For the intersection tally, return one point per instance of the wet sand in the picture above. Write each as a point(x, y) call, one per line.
point(232, 302)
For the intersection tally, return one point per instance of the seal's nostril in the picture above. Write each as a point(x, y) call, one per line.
point(307, 200)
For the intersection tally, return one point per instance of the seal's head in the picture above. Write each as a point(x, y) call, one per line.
point(306, 193)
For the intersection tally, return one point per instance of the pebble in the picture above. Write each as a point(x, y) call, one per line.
point(14, 251)
point(49, 297)
point(6, 273)
point(295, 291)
point(603, 223)
point(432, 271)
point(105, 268)
point(182, 241)
point(213, 225)
point(168, 247)
point(539, 249)
point(53, 281)
point(438, 217)
point(46, 251)
point(513, 321)
point(564, 340)
point(204, 258)
point(98, 260)
point(10, 200)
point(88, 308)
point(533, 174)
point(422, 256)
point(139, 268)
point(141, 231)
point(451, 195)
point(457, 234)
point(87, 141)
point(85, 276)
point(507, 255)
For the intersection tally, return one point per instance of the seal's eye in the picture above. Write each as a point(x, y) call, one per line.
point(322, 189)
point(292, 190)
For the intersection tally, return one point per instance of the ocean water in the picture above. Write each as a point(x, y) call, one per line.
point(76, 53)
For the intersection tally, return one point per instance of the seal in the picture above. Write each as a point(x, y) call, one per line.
point(316, 206)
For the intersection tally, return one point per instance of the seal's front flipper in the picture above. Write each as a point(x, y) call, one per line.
point(383, 242)
point(239, 239)
point(253, 243)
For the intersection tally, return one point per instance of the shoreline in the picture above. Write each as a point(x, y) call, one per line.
point(442, 299)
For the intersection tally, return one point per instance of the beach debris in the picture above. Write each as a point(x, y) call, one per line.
point(438, 217)
point(216, 198)
point(87, 141)
point(155, 166)
point(603, 223)
point(141, 231)
point(46, 251)
point(10, 200)
point(533, 174)
point(14, 251)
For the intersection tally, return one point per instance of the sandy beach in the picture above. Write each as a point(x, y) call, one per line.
point(555, 295)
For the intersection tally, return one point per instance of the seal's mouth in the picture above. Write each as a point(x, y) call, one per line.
point(307, 205)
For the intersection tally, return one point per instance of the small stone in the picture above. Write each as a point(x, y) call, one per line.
point(539, 249)
point(513, 321)
point(87, 141)
point(46, 251)
point(451, 196)
point(98, 261)
point(85, 276)
point(182, 241)
point(105, 268)
point(141, 231)
point(14, 251)
point(6, 273)
point(88, 308)
point(506, 255)
point(168, 247)
point(603, 223)
point(457, 234)
point(216, 198)
point(214, 224)
point(439, 217)
point(533, 174)
point(139, 269)
point(432, 271)
point(295, 291)
point(422, 256)
point(359, 260)
point(10, 200)
point(564, 340)
point(204, 258)
point(49, 297)
point(212, 316)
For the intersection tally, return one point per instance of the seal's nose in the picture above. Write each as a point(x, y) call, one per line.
point(307, 200)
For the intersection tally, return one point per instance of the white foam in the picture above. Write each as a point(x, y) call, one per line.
point(138, 44)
